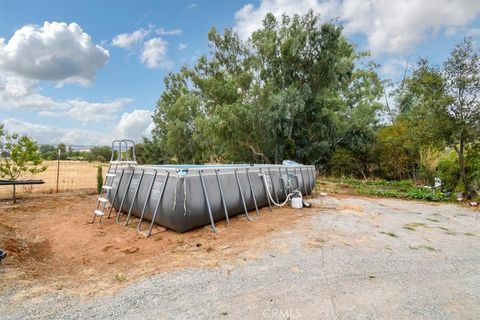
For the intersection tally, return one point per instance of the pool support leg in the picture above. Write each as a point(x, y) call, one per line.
point(123, 198)
point(223, 198)
point(251, 190)
point(241, 194)
point(134, 197)
point(208, 202)
point(158, 205)
point(139, 225)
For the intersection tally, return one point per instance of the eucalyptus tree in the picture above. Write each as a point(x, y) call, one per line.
point(462, 84)
point(290, 91)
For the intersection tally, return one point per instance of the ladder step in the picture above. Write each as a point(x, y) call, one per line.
point(102, 200)
point(123, 162)
point(107, 187)
point(111, 174)
point(99, 212)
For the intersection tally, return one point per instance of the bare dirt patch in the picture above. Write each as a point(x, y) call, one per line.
point(49, 242)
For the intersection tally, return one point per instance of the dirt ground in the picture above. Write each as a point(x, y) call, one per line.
point(51, 246)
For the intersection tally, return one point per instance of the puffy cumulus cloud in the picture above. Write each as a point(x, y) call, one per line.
point(20, 93)
point(47, 134)
point(249, 18)
point(127, 40)
point(389, 26)
point(182, 46)
point(135, 125)
point(56, 51)
point(154, 54)
point(87, 112)
point(397, 26)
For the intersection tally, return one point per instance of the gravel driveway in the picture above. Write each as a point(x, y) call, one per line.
point(348, 258)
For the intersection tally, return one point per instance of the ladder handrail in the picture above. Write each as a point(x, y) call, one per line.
point(127, 141)
point(120, 146)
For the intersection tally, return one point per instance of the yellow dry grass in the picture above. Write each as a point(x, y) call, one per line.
point(72, 175)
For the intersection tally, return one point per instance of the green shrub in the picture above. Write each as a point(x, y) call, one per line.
point(425, 194)
point(393, 183)
point(449, 170)
point(472, 160)
point(380, 192)
point(344, 163)
point(428, 164)
point(99, 179)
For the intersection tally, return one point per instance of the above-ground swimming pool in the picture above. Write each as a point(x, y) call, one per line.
point(184, 197)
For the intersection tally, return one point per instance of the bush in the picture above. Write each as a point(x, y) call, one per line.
point(428, 164)
point(425, 194)
point(344, 163)
point(99, 179)
point(449, 171)
point(396, 151)
point(472, 160)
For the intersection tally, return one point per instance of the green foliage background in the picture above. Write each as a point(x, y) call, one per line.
point(298, 89)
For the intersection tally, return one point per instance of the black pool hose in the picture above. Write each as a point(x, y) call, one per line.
point(3, 254)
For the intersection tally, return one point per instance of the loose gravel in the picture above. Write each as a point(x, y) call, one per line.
point(349, 258)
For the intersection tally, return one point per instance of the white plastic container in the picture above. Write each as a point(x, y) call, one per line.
point(297, 203)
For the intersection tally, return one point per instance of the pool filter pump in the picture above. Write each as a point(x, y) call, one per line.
point(297, 201)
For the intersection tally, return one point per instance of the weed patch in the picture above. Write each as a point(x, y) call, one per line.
point(391, 234)
point(413, 226)
point(427, 248)
point(391, 189)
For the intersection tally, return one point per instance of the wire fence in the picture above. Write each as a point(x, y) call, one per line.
point(61, 176)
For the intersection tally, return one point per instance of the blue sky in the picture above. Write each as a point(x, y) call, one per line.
point(84, 72)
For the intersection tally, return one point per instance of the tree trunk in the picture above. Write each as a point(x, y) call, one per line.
point(14, 194)
point(463, 169)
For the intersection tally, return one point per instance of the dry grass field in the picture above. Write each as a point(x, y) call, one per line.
point(72, 175)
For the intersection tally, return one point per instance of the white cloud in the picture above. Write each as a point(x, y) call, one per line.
point(154, 54)
point(135, 124)
point(46, 134)
point(171, 32)
point(473, 32)
point(393, 67)
point(192, 6)
point(56, 51)
point(389, 26)
point(87, 112)
point(127, 40)
point(23, 94)
point(397, 26)
point(249, 18)
point(20, 93)
point(182, 46)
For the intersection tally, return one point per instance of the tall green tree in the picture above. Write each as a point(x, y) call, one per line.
point(291, 91)
point(440, 107)
point(462, 84)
